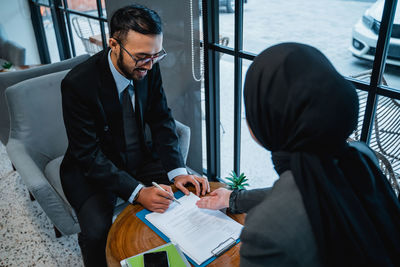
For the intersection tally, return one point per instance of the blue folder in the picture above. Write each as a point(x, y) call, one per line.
point(141, 215)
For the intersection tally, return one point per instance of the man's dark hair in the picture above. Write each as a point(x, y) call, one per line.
point(134, 17)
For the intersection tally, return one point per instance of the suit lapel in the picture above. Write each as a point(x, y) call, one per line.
point(110, 102)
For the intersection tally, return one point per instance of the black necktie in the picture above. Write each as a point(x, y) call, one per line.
point(139, 117)
point(128, 112)
point(133, 130)
point(138, 113)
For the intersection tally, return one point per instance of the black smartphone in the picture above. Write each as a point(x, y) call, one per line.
point(156, 259)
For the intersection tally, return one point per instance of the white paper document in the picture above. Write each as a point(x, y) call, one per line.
point(198, 232)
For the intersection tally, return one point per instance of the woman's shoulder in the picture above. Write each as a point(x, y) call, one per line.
point(280, 223)
point(282, 204)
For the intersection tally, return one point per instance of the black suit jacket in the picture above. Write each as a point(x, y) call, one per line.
point(95, 158)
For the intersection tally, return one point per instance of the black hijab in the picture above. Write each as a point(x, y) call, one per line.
point(302, 110)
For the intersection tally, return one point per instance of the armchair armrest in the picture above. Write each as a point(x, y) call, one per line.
point(47, 197)
point(183, 132)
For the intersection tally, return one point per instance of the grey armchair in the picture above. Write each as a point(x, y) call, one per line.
point(38, 142)
point(9, 78)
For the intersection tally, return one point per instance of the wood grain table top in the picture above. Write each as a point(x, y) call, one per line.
point(129, 236)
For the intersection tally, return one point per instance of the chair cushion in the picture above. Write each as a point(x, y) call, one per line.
point(52, 173)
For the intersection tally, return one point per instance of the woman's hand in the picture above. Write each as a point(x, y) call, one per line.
point(217, 200)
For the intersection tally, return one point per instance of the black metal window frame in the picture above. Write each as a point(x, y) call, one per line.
point(60, 14)
point(211, 79)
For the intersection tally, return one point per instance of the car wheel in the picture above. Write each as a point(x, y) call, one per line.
point(230, 6)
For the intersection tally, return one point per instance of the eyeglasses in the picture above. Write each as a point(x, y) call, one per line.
point(146, 59)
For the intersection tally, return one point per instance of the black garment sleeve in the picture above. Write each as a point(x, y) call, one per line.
point(162, 124)
point(241, 201)
point(84, 144)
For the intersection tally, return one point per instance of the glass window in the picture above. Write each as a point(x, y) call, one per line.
point(226, 23)
point(255, 161)
point(385, 136)
point(392, 73)
point(87, 6)
point(343, 30)
point(103, 5)
point(203, 125)
point(392, 68)
point(386, 113)
point(42, 2)
point(227, 106)
point(362, 97)
point(50, 34)
point(86, 35)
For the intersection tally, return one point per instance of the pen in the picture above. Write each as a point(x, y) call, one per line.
point(159, 187)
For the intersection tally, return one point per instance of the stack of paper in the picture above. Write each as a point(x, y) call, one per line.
point(200, 233)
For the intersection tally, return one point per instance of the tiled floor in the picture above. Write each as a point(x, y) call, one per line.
point(26, 234)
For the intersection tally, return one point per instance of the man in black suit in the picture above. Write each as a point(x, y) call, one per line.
point(109, 103)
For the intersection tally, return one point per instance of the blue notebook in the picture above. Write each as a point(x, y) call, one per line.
point(141, 215)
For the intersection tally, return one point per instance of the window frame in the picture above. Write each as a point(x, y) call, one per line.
point(211, 80)
point(60, 14)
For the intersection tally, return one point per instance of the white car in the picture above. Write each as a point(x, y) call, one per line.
point(366, 31)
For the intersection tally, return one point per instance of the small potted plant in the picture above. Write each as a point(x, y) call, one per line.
point(7, 66)
point(237, 182)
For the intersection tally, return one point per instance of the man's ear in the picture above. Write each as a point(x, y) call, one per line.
point(113, 44)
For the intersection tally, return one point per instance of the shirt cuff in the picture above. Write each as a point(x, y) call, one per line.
point(135, 192)
point(176, 172)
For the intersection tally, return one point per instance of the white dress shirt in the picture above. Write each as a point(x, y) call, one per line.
point(122, 82)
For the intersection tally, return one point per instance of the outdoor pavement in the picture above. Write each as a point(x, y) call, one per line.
point(324, 24)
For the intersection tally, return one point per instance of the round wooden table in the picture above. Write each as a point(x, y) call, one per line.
point(129, 236)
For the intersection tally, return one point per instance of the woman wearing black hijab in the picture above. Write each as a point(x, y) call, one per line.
point(331, 205)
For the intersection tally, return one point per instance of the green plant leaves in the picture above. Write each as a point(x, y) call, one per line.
point(237, 182)
point(7, 65)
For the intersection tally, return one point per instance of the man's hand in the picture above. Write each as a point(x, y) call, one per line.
point(181, 180)
point(217, 200)
point(155, 199)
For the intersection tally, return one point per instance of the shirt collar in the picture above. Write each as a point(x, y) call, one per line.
point(120, 81)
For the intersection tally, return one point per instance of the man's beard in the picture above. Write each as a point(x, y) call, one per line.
point(129, 74)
